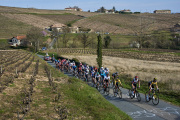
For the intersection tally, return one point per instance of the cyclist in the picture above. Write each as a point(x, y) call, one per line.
point(93, 76)
point(106, 80)
point(102, 76)
point(134, 82)
point(151, 85)
point(86, 73)
point(79, 71)
point(96, 69)
point(117, 82)
point(114, 76)
point(74, 68)
point(102, 69)
point(97, 76)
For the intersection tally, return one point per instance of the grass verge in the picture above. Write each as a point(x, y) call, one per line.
point(89, 102)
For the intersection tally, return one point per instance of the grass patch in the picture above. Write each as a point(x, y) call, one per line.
point(1, 111)
point(90, 102)
point(12, 85)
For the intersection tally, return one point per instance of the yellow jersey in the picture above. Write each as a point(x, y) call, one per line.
point(117, 80)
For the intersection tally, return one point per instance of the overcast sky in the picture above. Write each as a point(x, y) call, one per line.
point(93, 5)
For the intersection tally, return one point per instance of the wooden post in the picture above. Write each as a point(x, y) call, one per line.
point(1, 69)
point(50, 73)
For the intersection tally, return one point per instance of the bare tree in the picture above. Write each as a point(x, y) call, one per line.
point(34, 36)
point(143, 29)
point(85, 40)
point(65, 37)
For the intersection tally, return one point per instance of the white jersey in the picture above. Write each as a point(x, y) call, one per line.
point(71, 64)
point(107, 78)
point(135, 80)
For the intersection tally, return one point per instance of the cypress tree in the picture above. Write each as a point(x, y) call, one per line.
point(99, 51)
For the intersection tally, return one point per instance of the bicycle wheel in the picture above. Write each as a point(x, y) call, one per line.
point(107, 91)
point(138, 96)
point(130, 94)
point(114, 91)
point(120, 93)
point(98, 87)
point(147, 96)
point(155, 99)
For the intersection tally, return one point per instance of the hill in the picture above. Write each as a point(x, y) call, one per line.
point(112, 23)
point(129, 23)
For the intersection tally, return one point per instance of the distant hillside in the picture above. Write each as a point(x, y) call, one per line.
point(125, 24)
point(4, 9)
point(130, 23)
point(15, 21)
point(11, 27)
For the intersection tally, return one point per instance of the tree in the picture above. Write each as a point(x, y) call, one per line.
point(34, 36)
point(102, 10)
point(107, 41)
point(114, 9)
point(144, 28)
point(65, 37)
point(55, 35)
point(99, 51)
point(84, 38)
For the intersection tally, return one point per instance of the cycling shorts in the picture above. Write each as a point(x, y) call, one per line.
point(135, 85)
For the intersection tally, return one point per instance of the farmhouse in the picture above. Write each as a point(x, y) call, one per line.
point(73, 9)
point(162, 11)
point(74, 29)
point(125, 11)
point(111, 11)
point(60, 28)
point(17, 41)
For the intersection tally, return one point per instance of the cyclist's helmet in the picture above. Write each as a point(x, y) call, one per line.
point(154, 80)
point(136, 77)
point(97, 73)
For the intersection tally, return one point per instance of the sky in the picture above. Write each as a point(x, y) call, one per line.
point(93, 5)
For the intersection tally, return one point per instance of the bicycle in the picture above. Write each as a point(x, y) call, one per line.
point(86, 77)
point(117, 91)
point(132, 94)
point(152, 96)
point(106, 89)
point(98, 86)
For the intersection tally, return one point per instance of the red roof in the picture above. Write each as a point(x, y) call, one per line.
point(21, 37)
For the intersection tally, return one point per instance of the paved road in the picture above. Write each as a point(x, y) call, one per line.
point(140, 110)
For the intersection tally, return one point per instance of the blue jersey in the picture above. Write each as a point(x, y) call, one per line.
point(103, 74)
point(74, 67)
